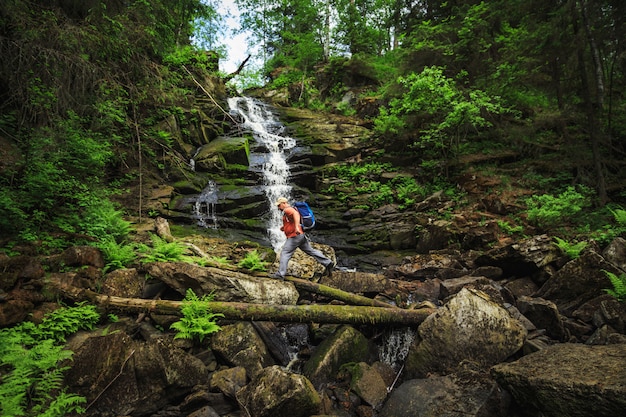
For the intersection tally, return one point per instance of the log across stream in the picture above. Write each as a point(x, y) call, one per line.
point(313, 313)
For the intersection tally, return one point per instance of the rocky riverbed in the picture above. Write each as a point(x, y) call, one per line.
point(514, 327)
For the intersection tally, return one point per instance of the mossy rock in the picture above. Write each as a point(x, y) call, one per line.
point(223, 152)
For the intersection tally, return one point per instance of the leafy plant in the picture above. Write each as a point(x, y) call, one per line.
point(619, 285)
point(572, 250)
point(508, 229)
point(197, 321)
point(162, 251)
point(549, 210)
point(30, 356)
point(253, 262)
point(116, 255)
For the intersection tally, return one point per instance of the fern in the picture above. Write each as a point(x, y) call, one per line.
point(116, 255)
point(253, 262)
point(619, 285)
point(619, 215)
point(162, 251)
point(30, 356)
point(197, 321)
point(572, 250)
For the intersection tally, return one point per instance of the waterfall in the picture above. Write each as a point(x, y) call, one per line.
point(396, 346)
point(204, 208)
point(268, 132)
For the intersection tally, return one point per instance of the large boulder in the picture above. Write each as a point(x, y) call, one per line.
point(450, 396)
point(343, 346)
point(239, 344)
point(121, 376)
point(469, 327)
point(224, 284)
point(276, 392)
point(568, 380)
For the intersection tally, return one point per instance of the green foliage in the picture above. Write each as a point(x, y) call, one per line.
point(619, 286)
point(508, 229)
point(198, 321)
point(445, 111)
point(162, 251)
point(572, 250)
point(104, 222)
point(30, 356)
point(116, 255)
point(619, 214)
point(547, 210)
point(253, 261)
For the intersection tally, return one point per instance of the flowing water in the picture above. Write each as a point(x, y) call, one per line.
point(269, 134)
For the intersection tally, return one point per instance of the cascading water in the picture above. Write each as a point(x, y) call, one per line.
point(204, 208)
point(268, 132)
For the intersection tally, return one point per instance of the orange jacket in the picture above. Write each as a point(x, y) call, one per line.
point(291, 222)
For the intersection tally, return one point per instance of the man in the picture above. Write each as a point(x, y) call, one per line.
point(296, 239)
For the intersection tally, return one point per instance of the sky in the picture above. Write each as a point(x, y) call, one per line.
point(236, 44)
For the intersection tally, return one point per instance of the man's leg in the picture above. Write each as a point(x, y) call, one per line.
point(310, 250)
point(286, 253)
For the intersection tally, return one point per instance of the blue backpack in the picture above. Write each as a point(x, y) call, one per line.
point(307, 218)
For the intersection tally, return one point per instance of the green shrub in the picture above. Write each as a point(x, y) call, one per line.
point(548, 211)
point(30, 358)
point(197, 321)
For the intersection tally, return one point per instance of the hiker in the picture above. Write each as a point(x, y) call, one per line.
point(296, 239)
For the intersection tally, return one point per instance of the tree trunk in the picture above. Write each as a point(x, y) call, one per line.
point(337, 294)
point(257, 312)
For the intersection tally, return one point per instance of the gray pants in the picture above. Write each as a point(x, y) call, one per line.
point(290, 246)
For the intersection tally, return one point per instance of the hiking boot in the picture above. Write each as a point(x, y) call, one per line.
point(328, 270)
point(277, 276)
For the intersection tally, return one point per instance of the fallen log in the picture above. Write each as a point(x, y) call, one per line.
point(336, 314)
point(336, 294)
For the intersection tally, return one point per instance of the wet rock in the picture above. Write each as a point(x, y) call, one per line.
point(226, 285)
point(470, 326)
point(240, 345)
point(345, 345)
point(572, 380)
point(278, 393)
point(448, 396)
point(216, 155)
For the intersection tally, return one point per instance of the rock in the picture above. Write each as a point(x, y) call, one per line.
point(279, 393)
point(226, 285)
point(343, 346)
point(76, 256)
point(568, 380)
point(452, 286)
point(123, 283)
point(356, 282)
point(521, 259)
point(221, 152)
point(544, 315)
point(368, 384)
point(429, 266)
point(470, 326)
point(448, 396)
point(615, 253)
point(240, 345)
point(578, 282)
point(122, 376)
point(228, 381)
